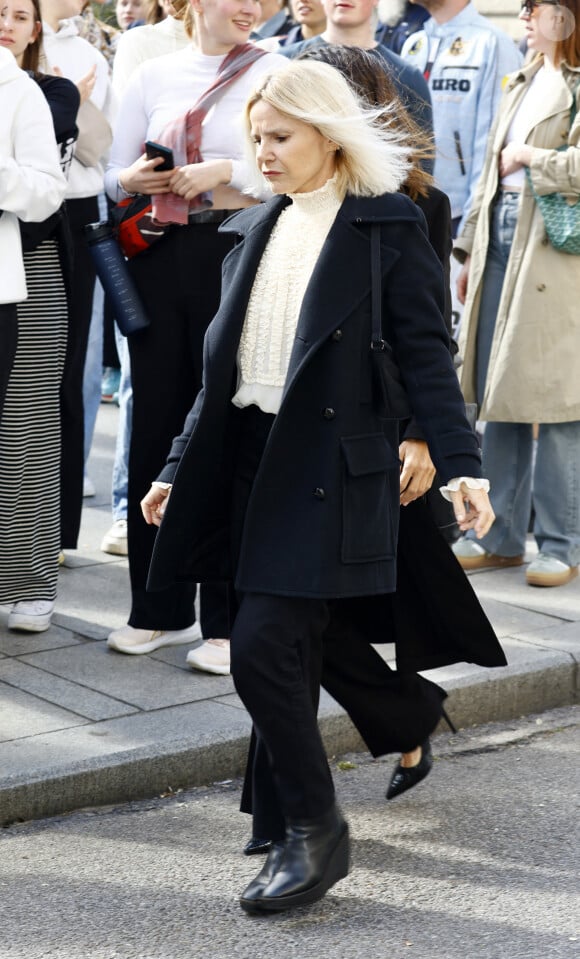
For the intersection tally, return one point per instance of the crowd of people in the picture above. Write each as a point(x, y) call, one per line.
point(324, 202)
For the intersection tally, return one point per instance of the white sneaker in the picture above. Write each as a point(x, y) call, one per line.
point(31, 616)
point(546, 570)
point(129, 639)
point(88, 488)
point(115, 540)
point(213, 656)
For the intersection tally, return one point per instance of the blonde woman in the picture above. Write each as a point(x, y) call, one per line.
point(288, 473)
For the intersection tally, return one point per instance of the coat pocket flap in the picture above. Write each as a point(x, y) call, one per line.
point(368, 454)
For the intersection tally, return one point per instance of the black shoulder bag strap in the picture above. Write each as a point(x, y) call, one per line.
point(390, 391)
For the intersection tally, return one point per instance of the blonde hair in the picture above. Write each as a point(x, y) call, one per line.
point(372, 158)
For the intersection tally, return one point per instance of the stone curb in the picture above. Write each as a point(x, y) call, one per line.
point(147, 772)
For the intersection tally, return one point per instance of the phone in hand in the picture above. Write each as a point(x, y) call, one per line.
point(154, 150)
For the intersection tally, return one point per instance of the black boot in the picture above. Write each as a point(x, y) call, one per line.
point(253, 892)
point(315, 856)
point(405, 777)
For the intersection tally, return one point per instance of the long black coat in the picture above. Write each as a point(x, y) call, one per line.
point(323, 515)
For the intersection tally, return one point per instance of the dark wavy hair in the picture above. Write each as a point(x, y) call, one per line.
point(366, 74)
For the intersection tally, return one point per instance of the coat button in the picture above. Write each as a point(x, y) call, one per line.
point(541, 287)
point(337, 335)
point(328, 413)
point(319, 493)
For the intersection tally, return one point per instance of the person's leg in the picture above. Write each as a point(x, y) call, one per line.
point(271, 641)
point(30, 447)
point(8, 342)
point(93, 370)
point(507, 451)
point(557, 491)
point(119, 490)
point(506, 447)
point(504, 220)
point(80, 212)
point(180, 281)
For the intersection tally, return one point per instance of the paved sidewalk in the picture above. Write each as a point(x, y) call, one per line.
point(81, 725)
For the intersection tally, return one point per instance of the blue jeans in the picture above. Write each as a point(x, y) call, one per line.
point(120, 485)
point(550, 482)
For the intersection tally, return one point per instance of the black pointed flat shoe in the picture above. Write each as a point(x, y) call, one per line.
point(257, 847)
point(405, 777)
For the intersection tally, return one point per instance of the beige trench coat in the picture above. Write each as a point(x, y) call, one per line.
point(534, 368)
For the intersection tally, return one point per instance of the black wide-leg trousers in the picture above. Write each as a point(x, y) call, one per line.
point(179, 282)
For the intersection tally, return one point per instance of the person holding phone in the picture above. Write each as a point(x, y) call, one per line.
point(179, 280)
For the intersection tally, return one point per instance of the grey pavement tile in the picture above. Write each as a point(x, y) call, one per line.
point(24, 717)
point(61, 692)
point(507, 618)
point(18, 644)
point(157, 733)
point(137, 680)
point(521, 656)
point(559, 636)
point(97, 594)
point(509, 586)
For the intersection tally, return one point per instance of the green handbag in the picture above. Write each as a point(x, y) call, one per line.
point(561, 214)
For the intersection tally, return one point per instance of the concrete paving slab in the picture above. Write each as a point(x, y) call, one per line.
point(507, 617)
point(18, 644)
point(95, 594)
point(136, 680)
point(561, 636)
point(509, 586)
point(23, 718)
point(60, 692)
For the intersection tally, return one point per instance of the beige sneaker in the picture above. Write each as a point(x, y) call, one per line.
point(129, 639)
point(213, 656)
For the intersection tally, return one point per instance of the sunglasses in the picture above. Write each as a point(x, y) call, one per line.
point(528, 6)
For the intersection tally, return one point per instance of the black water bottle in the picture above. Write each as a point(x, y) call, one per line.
point(115, 278)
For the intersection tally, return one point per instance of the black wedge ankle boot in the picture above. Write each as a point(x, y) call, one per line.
point(315, 856)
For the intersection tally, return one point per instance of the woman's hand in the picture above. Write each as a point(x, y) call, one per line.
point(195, 178)
point(85, 85)
point(153, 505)
point(142, 177)
point(417, 470)
point(472, 510)
point(462, 280)
point(513, 157)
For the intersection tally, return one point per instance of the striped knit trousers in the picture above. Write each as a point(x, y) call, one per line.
point(30, 437)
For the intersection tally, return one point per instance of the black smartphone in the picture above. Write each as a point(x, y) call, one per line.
point(154, 150)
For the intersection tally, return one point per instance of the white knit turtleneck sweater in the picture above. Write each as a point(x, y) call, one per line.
point(276, 298)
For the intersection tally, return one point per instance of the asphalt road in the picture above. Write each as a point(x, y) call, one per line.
point(480, 861)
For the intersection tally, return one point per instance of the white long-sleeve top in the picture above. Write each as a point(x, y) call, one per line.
point(32, 185)
point(75, 57)
point(164, 89)
point(274, 306)
point(151, 40)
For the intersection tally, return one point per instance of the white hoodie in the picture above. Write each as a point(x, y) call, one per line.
point(32, 185)
point(74, 56)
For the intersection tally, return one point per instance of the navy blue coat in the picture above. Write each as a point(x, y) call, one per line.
point(323, 515)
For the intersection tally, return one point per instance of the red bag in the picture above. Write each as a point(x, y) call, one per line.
point(132, 221)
